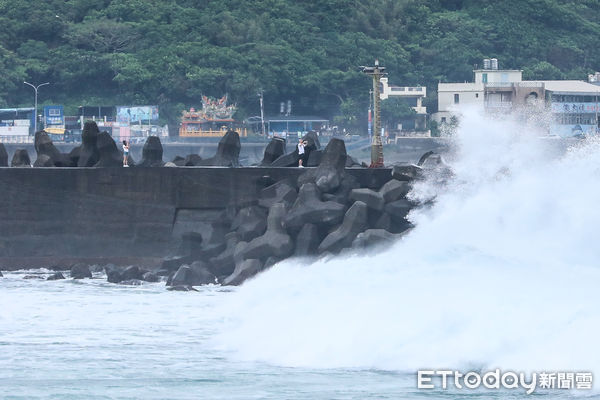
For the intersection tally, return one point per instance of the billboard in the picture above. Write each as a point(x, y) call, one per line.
point(136, 114)
point(54, 115)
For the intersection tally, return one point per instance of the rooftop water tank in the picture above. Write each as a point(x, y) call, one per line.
point(486, 63)
point(494, 62)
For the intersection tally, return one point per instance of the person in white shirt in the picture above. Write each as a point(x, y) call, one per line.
point(125, 153)
point(301, 153)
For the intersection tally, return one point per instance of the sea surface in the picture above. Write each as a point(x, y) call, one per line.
point(501, 271)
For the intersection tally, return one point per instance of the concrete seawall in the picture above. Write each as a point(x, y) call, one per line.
point(49, 215)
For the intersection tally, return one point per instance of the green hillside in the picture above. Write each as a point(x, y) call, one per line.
point(169, 52)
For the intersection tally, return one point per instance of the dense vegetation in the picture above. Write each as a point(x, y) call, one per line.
point(169, 52)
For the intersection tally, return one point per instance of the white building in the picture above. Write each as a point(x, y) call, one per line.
point(573, 104)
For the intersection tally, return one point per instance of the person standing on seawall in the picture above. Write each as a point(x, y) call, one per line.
point(125, 153)
point(300, 152)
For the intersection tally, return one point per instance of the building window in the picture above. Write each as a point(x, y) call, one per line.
point(484, 78)
point(476, 95)
point(456, 98)
point(443, 120)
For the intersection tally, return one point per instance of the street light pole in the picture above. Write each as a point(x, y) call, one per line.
point(262, 113)
point(35, 88)
point(376, 145)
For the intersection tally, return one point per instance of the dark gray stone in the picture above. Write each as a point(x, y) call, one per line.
point(224, 263)
point(281, 192)
point(271, 261)
point(308, 240)
point(192, 160)
point(243, 271)
point(228, 151)
point(152, 153)
point(113, 273)
point(314, 158)
point(193, 275)
point(55, 276)
point(370, 197)
point(406, 172)
point(3, 156)
point(191, 245)
point(399, 208)
point(355, 221)
point(373, 237)
point(131, 272)
point(20, 159)
point(80, 271)
point(88, 153)
point(287, 160)
point(309, 209)
point(43, 146)
point(179, 161)
point(274, 150)
point(150, 277)
point(33, 277)
point(108, 153)
point(43, 161)
point(275, 242)
point(73, 156)
point(394, 190)
point(250, 222)
point(330, 172)
point(1, 276)
point(312, 140)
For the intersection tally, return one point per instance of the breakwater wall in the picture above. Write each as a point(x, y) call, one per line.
point(54, 214)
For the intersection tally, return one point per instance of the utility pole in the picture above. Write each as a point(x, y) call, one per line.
point(35, 88)
point(376, 144)
point(262, 112)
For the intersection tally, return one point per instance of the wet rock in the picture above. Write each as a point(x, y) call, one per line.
point(399, 209)
point(3, 156)
point(131, 272)
point(113, 273)
point(281, 192)
point(43, 161)
point(55, 276)
point(80, 271)
point(394, 190)
point(270, 262)
point(88, 153)
point(173, 263)
point(275, 242)
point(224, 263)
point(250, 222)
point(1, 276)
point(274, 150)
point(406, 172)
point(373, 237)
point(370, 197)
point(308, 240)
point(182, 288)
point(352, 162)
point(243, 271)
point(20, 159)
point(108, 153)
point(152, 153)
point(150, 277)
point(193, 275)
point(383, 221)
point(309, 209)
point(355, 221)
point(312, 140)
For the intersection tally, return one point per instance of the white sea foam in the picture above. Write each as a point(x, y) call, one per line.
point(501, 272)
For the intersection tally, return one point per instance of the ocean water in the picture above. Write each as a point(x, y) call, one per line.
point(502, 271)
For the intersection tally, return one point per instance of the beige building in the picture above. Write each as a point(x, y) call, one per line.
point(573, 104)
